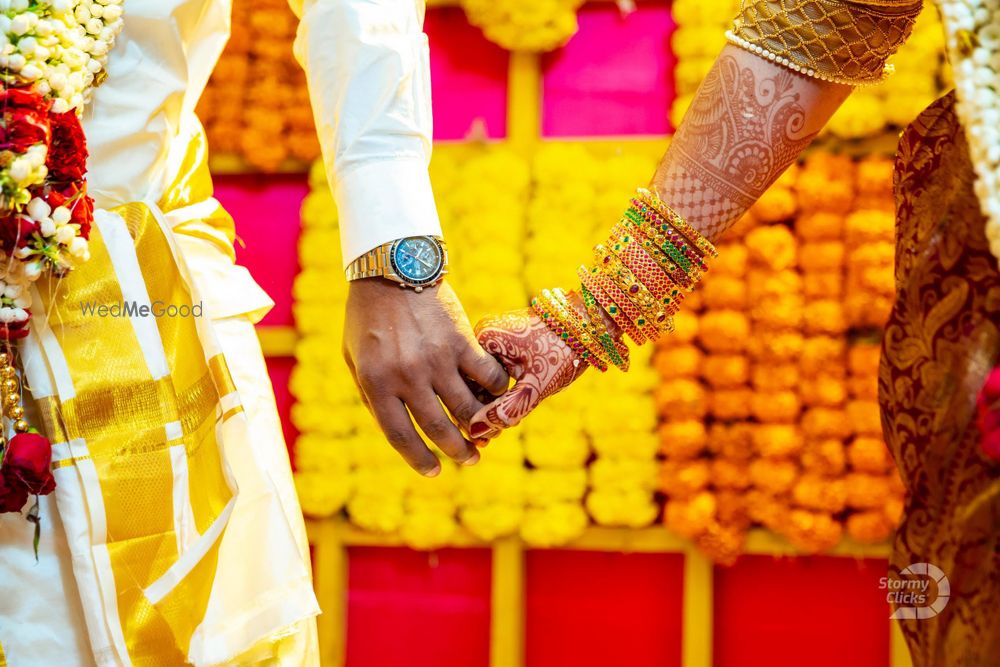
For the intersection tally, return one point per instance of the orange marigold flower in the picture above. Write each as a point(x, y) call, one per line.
point(816, 492)
point(825, 457)
point(819, 256)
point(822, 423)
point(863, 359)
point(825, 316)
point(820, 226)
point(874, 176)
point(731, 404)
point(680, 399)
point(781, 312)
point(819, 192)
point(869, 226)
point(867, 310)
point(731, 441)
point(742, 226)
point(868, 454)
point(777, 440)
point(864, 388)
point(732, 507)
point(678, 360)
point(778, 407)
point(683, 439)
point(824, 391)
point(866, 491)
point(689, 517)
point(731, 262)
point(775, 377)
point(829, 285)
point(772, 247)
point(722, 543)
point(728, 474)
point(766, 508)
point(773, 476)
point(812, 532)
point(723, 331)
point(869, 527)
point(777, 347)
point(724, 292)
point(777, 204)
point(763, 285)
point(683, 479)
point(726, 371)
point(824, 355)
point(865, 417)
point(685, 328)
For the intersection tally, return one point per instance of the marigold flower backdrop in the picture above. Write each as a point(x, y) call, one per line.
point(753, 428)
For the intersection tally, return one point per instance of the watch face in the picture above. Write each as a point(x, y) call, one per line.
point(418, 260)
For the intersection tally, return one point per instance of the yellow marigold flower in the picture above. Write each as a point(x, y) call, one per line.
point(379, 513)
point(623, 474)
point(562, 447)
point(678, 360)
point(772, 247)
point(812, 532)
point(777, 204)
point(861, 115)
point(314, 452)
point(427, 530)
point(697, 40)
point(822, 423)
point(688, 517)
point(868, 454)
point(821, 256)
point(732, 441)
point(681, 399)
point(816, 492)
point(723, 331)
point(630, 508)
point(775, 377)
point(824, 457)
point(777, 347)
point(820, 226)
point(321, 493)
point(869, 527)
point(731, 404)
point(722, 292)
point(553, 525)
point(826, 183)
point(492, 520)
point(867, 310)
point(777, 440)
point(865, 417)
point(683, 439)
point(549, 486)
point(780, 407)
point(866, 491)
point(823, 285)
point(486, 484)
point(824, 391)
point(773, 475)
point(726, 371)
point(683, 479)
point(627, 443)
point(824, 355)
point(731, 262)
point(825, 316)
point(730, 474)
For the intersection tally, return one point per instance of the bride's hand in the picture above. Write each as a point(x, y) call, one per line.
point(540, 362)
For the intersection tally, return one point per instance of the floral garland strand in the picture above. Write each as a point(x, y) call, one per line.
point(52, 55)
point(973, 40)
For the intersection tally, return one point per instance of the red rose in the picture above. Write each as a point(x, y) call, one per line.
point(988, 406)
point(27, 464)
point(67, 159)
point(15, 330)
point(12, 498)
point(73, 196)
point(25, 119)
point(15, 230)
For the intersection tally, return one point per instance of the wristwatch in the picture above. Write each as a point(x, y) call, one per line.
point(414, 261)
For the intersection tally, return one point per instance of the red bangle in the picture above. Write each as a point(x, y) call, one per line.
point(594, 284)
point(631, 311)
point(649, 273)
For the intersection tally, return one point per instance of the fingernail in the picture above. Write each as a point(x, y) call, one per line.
point(479, 429)
point(472, 460)
point(433, 472)
point(482, 442)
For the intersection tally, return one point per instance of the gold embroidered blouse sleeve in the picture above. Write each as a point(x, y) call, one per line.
point(833, 40)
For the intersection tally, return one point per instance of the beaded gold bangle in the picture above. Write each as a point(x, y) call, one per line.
point(573, 328)
point(604, 291)
point(678, 223)
point(680, 277)
point(647, 271)
point(616, 350)
point(668, 240)
point(654, 312)
point(549, 313)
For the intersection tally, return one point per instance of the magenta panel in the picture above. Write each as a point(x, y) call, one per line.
point(280, 370)
point(468, 76)
point(614, 77)
point(418, 609)
point(266, 210)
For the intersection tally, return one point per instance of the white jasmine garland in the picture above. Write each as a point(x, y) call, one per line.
point(973, 40)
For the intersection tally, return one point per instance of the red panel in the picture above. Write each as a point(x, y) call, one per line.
point(818, 611)
point(418, 609)
point(604, 609)
point(266, 210)
point(615, 76)
point(468, 76)
point(280, 368)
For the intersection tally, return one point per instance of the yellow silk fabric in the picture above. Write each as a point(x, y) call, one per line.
point(129, 420)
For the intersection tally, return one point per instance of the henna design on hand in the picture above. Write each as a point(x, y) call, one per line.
point(540, 362)
point(741, 132)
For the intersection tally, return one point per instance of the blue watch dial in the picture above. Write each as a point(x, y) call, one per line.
point(418, 260)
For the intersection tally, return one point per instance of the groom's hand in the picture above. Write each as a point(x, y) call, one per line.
point(405, 350)
point(540, 362)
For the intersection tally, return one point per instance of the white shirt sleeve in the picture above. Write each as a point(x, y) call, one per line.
point(368, 67)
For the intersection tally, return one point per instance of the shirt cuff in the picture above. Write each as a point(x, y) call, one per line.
point(381, 201)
